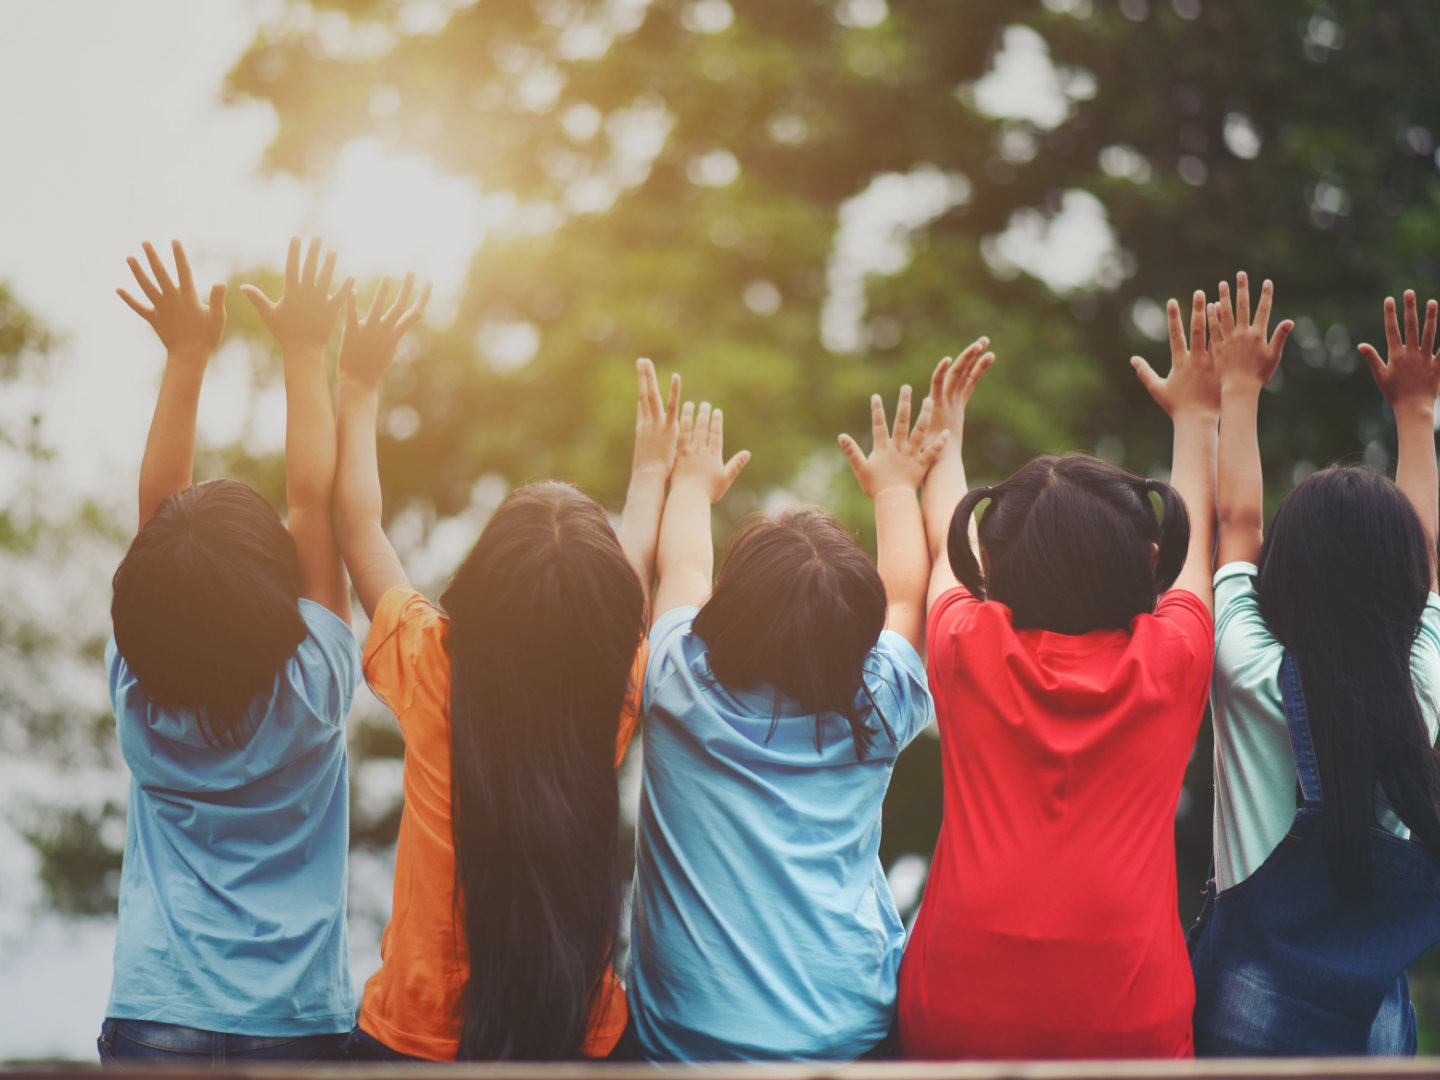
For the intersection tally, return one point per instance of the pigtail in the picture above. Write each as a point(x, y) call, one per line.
point(962, 555)
point(1174, 540)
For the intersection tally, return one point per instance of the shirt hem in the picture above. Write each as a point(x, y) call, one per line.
point(227, 1024)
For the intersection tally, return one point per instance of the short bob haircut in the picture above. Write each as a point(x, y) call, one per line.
point(207, 605)
point(798, 607)
point(1066, 542)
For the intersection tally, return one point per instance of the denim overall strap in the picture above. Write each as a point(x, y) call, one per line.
point(1299, 723)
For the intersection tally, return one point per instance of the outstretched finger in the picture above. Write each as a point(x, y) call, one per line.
point(932, 451)
point(717, 433)
point(140, 309)
point(312, 261)
point(736, 463)
point(292, 265)
point(649, 400)
point(1392, 327)
point(402, 302)
point(1217, 330)
point(972, 380)
point(1242, 300)
point(377, 302)
point(964, 363)
point(260, 300)
point(1377, 366)
point(1177, 329)
point(352, 311)
point(687, 423)
point(1198, 310)
point(411, 317)
point(1223, 313)
point(922, 424)
point(146, 285)
point(1148, 379)
point(672, 406)
point(702, 425)
point(217, 305)
point(347, 287)
point(853, 454)
point(902, 415)
point(1412, 320)
point(879, 430)
point(182, 270)
point(1428, 341)
point(327, 271)
point(1262, 310)
point(937, 380)
point(1277, 341)
point(162, 276)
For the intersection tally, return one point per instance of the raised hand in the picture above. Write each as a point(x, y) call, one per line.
point(1192, 383)
point(185, 325)
point(1412, 374)
point(1240, 347)
point(953, 382)
point(368, 345)
point(657, 423)
point(699, 457)
point(900, 460)
point(304, 317)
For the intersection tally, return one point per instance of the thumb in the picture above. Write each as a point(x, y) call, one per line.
point(853, 454)
point(932, 451)
point(732, 470)
point(1377, 366)
point(260, 300)
point(1148, 378)
point(217, 306)
point(1277, 341)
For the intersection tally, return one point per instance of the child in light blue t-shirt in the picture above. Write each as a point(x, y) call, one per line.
point(775, 707)
point(232, 671)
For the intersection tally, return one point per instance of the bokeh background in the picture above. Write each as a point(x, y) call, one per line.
point(791, 203)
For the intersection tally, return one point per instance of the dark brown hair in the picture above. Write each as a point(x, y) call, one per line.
point(1066, 539)
point(546, 615)
point(206, 605)
point(798, 607)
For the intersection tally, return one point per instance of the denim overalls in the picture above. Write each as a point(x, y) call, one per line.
point(1284, 965)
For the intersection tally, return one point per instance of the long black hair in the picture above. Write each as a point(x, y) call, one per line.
point(206, 605)
point(1067, 543)
point(545, 617)
point(1343, 579)
point(798, 606)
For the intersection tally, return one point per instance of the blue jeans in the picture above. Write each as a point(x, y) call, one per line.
point(125, 1042)
point(362, 1046)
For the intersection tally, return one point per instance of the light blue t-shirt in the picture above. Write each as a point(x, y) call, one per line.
point(1255, 773)
point(232, 896)
point(763, 927)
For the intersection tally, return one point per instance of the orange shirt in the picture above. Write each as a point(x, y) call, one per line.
point(415, 1003)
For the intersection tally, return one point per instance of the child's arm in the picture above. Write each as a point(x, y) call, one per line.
point(686, 556)
point(189, 330)
point(657, 426)
point(365, 354)
point(950, 390)
point(891, 476)
point(1244, 362)
point(302, 322)
point(1410, 382)
point(1190, 395)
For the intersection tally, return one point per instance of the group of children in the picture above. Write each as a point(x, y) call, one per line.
point(1066, 645)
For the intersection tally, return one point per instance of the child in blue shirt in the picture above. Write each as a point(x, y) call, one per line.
point(763, 926)
point(232, 670)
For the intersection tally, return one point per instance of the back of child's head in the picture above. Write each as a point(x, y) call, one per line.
point(206, 605)
point(1066, 542)
point(546, 615)
point(1342, 582)
point(797, 606)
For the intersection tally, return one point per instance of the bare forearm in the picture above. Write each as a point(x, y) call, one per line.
point(1193, 476)
point(309, 431)
point(1415, 472)
point(903, 562)
point(169, 460)
point(945, 486)
point(358, 500)
point(685, 560)
point(639, 531)
point(1240, 496)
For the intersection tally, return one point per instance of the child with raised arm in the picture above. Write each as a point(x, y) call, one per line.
point(1069, 657)
point(232, 670)
point(775, 707)
point(517, 696)
point(1327, 667)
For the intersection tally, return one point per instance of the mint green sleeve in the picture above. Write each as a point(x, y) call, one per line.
point(1425, 665)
